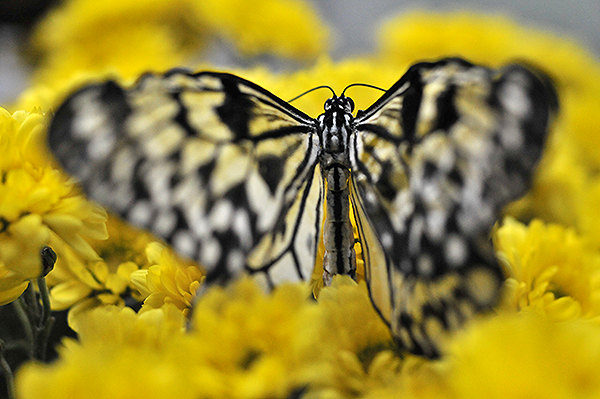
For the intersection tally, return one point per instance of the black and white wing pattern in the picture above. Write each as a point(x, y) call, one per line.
point(433, 162)
point(218, 167)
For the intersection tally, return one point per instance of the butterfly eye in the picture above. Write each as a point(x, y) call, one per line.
point(350, 103)
point(327, 104)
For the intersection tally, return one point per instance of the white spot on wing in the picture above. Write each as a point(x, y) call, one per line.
point(101, 145)
point(259, 198)
point(210, 252)
point(284, 270)
point(123, 165)
point(241, 225)
point(386, 240)
point(158, 180)
point(512, 137)
point(184, 243)
point(514, 98)
point(141, 213)
point(164, 224)
point(456, 250)
point(436, 221)
point(221, 215)
point(235, 261)
point(122, 197)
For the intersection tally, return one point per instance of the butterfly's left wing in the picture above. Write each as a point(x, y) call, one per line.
point(215, 165)
point(433, 162)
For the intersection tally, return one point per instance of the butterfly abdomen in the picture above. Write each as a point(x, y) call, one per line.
point(338, 236)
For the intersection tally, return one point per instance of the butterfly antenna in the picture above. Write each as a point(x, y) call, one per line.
point(361, 84)
point(313, 89)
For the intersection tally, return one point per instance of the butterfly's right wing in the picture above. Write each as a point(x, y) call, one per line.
point(434, 161)
point(215, 165)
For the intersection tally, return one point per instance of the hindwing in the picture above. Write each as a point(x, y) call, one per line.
point(215, 165)
point(434, 161)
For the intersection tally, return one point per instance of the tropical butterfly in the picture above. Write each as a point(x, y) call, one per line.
point(240, 180)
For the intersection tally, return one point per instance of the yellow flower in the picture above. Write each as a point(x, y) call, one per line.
point(352, 341)
point(167, 280)
point(129, 37)
point(525, 356)
point(551, 270)
point(244, 344)
point(80, 285)
point(119, 355)
point(288, 28)
point(256, 345)
point(12, 285)
point(39, 206)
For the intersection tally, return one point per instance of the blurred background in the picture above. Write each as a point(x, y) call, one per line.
point(353, 23)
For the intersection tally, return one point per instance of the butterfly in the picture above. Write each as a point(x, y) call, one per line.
point(241, 181)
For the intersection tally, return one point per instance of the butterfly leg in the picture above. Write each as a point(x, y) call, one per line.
point(338, 236)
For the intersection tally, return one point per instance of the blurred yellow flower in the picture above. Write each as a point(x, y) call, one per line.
point(82, 284)
point(114, 36)
point(39, 206)
point(245, 344)
point(550, 269)
point(524, 356)
point(168, 279)
point(119, 355)
point(126, 38)
point(288, 28)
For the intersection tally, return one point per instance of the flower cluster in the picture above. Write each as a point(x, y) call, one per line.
point(542, 340)
point(39, 205)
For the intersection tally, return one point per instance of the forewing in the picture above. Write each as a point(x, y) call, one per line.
point(215, 165)
point(434, 161)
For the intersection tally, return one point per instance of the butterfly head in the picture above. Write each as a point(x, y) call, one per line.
point(341, 103)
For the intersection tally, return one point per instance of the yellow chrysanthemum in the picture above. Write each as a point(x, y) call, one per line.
point(550, 269)
point(39, 206)
point(167, 280)
point(516, 355)
point(81, 285)
point(119, 355)
point(245, 344)
point(288, 28)
point(525, 356)
point(129, 37)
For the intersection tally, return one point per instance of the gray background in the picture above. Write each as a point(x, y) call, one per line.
point(354, 25)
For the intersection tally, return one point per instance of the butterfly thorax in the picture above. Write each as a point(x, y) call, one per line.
point(335, 128)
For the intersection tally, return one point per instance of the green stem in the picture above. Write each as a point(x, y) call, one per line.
point(45, 294)
point(8, 374)
point(46, 322)
point(32, 306)
point(26, 321)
